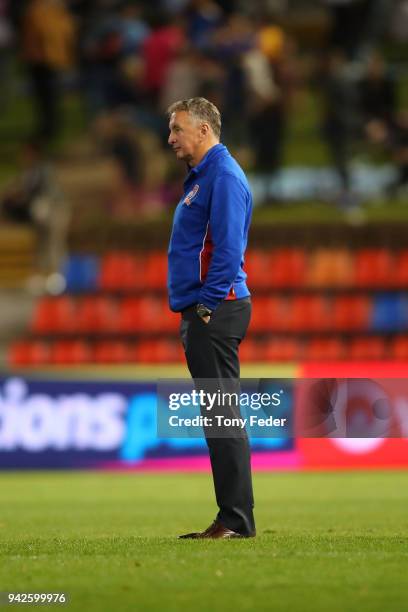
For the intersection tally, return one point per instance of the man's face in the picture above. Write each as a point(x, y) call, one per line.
point(186, 136)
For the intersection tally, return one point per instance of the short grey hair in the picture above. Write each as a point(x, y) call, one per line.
point(201, 109)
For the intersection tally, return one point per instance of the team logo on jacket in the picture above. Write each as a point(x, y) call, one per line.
point(191, 195)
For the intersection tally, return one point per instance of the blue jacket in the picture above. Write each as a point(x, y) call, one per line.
point(210, 233)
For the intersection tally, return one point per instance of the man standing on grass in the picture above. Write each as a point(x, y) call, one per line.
point(207, 285)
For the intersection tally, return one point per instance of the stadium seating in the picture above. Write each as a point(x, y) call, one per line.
point(282, 349)
point(269, 314)
point(158, 351)
point(399, 348)
point(81, 273)
point(319, 304)
point(288, 268)
point(155, 270)
point(250, 350)
point(330, 268)
point(325, 349)
point(55, 315)
point(309, 313)
point(351, 313)
point(390, 313)
point(112, 352)
point(400, 273)
point(28, 353)
point(70, 352)
point(97, 314)
point(374, 268)
point(122, 271)
point(365, 349)
point(257, 267)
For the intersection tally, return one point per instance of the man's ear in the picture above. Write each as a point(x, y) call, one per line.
point(205, 129)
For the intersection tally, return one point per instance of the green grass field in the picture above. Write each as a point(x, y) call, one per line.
point(326, 541)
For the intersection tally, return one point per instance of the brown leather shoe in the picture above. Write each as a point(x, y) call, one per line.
point(216, 531)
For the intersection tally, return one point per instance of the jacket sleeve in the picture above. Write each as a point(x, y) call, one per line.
point(227, 220)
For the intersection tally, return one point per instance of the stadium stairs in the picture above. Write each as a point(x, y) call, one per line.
point(17, 255)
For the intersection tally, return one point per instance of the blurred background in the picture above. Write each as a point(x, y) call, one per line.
point(314, 100)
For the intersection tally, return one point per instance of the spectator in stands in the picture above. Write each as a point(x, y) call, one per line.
point(100, 51)
point(19, 199)
point(377, 93)
point(227, 51)
point(35, 199)
point(383, 125)
point(399, 145)
point(132, 31)
point(140, 168)
point(229, 45)
point(132, 27)
point(203, 18)
point(160, 49)
point(48, 49)
point(117, 137)
point(184, 76)
point(270, 77)
point(212, 79)
point(357, 25)
point(340, 122)
point(399, 21)
point(348, 17)
point(174, 7)
point(6, 39)
point(16, 12)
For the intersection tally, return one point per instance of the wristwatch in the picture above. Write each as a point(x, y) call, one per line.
point(203, 311)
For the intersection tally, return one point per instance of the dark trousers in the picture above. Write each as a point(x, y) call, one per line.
point(46, 97)
point(212, 357)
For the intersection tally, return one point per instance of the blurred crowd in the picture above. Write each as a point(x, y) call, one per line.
point(130, 59)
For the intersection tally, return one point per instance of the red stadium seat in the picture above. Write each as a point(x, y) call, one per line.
point(373, 348)
point(276, 314)
point(351, 313)
point(325, 349)
point(145, 352)
point(268, 314)
point(257, 267)
point(143, 315)
point(112, 352)
point(400, 276)
point(258, 314)
point(169, 321)
point(97, 314)
point(399, 348)
point(121, 271)
point(169, 351)
point(150, 314)
point(28, 353)
point(250, 350)
point(309, 313)
point(70, 352)
point(55, 315)
point(43, 320)
point(155, 270)
point(287, 268)
point(374, 268)
point(282, 349)
point(128, 315)
point(159, 351)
